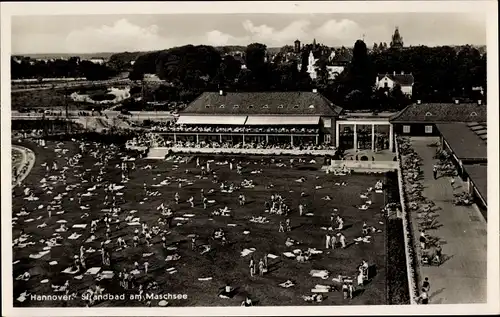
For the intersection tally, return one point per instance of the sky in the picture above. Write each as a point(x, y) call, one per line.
point(118, 33)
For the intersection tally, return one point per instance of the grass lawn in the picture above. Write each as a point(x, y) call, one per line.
point(54, 99)
point(223, 263)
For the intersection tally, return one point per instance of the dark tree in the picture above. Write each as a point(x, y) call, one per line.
point(255, 54)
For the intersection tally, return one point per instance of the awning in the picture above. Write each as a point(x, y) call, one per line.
point(216, 120)
point(282, 120)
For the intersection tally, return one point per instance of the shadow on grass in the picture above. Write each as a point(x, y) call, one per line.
point(372, 271)
point(347, 227)
point(358, 292)
point(274, 267)
point(349, 244)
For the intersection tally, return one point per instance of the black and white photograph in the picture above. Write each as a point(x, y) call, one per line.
point(168, 157)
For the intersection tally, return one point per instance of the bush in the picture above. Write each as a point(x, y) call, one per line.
point(101, 97)
point(398, 289)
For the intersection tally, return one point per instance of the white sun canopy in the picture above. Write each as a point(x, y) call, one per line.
point(282, 120)
point(215, 120)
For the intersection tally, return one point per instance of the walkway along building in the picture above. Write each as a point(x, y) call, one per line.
point(462, 129)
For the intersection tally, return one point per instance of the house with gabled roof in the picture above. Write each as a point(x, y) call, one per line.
point(265, 109)
point(389, 81)
point(420, 119)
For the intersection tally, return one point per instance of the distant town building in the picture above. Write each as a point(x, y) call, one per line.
point(97, 60)
point(152, 78)
point(311, 68)
point(336, 67)
point(397, 40)
point(389, 81)
point(297, 46)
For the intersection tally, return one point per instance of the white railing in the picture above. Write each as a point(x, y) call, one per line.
point(406, 232)
point(241, 151)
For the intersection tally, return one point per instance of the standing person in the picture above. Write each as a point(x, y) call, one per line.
point(301, 209)
point(328, 240)
point(424, 297)
point(351, 290)
point(342, 240)
point(333, 242)
point(423, 240)
point(426, 285)
point(361, 279)
point(434, 171)
point(176, 197)
point(340, 222)
point(288, 225)
point(345, 290)
point(438, 255)
point(205, 201)
point(170, 217)
point(364, 231)
point(252, 267)
point(164, 241)
point(146, 265)
point(193, 243)
point(261, 267)
point(281, 228)
point(452, 181)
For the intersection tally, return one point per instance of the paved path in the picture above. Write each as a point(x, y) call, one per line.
point(461, 279)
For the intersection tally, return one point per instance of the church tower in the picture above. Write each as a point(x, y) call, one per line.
point(297, 46)
point(397, 40)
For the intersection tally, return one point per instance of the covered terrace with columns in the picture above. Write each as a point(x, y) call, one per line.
point(364, 131)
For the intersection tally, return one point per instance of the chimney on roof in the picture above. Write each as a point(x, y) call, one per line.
point(419, 102)
point(457, 101)
point(221, 92)
point(315, 90)
point(394, 73)
point(479, 102)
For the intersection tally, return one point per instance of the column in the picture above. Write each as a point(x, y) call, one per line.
point(391, 136)
point(175, 137)
point(373, 137)
point(355, 138)
point(220, 138)
point(291, 139)
point(337, 134)
point(316, 139)
point(267, 139)
point(243, 139)
point(197, 138)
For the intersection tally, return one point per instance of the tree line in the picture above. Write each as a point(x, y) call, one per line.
point(441, 73)
point(27, 68)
